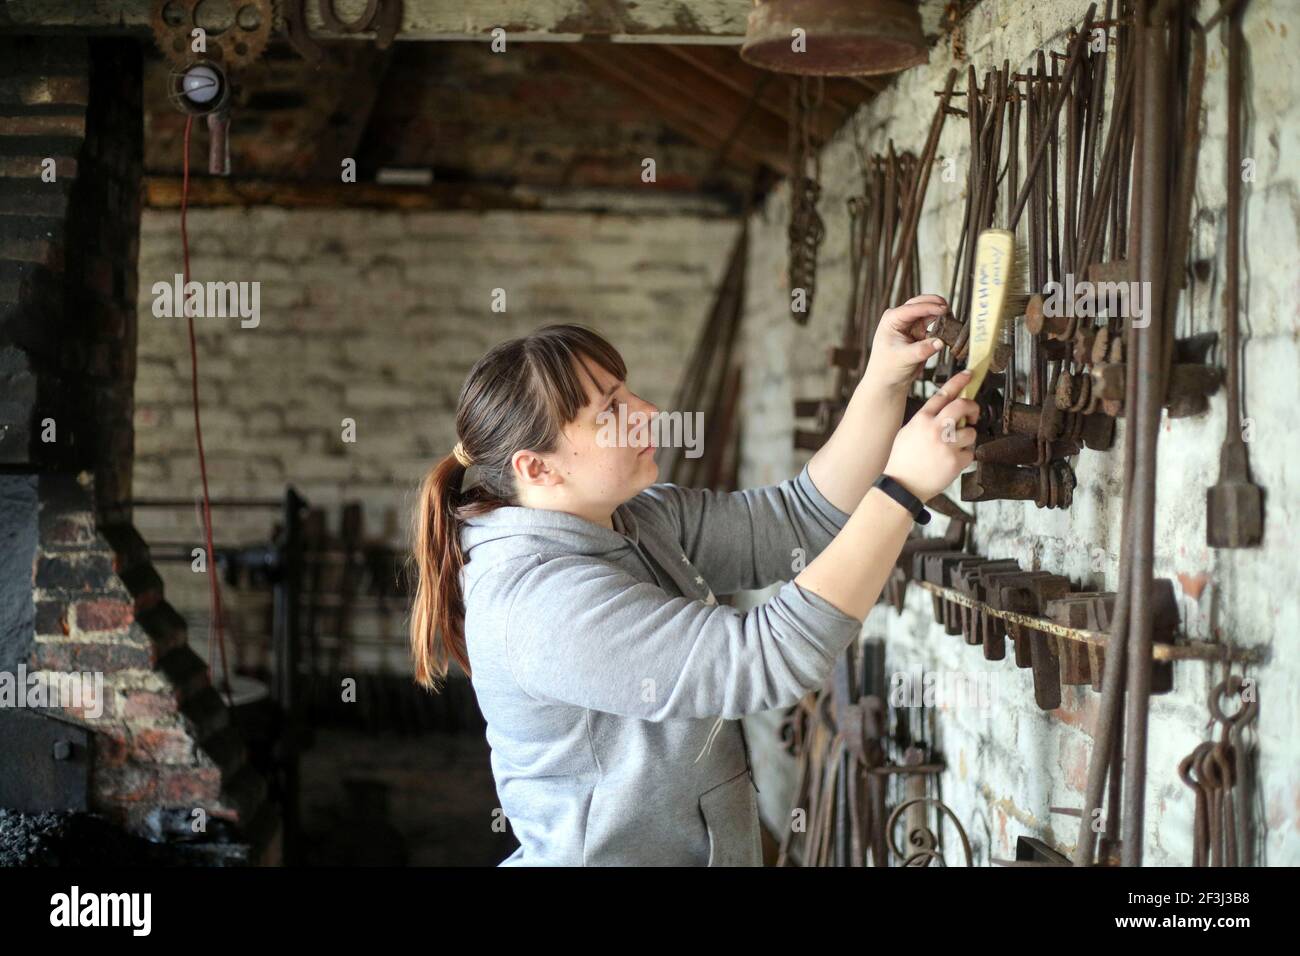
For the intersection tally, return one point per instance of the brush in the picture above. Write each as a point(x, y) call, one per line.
point(996, 297)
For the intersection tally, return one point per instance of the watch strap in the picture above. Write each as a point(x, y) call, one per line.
point(904, 497)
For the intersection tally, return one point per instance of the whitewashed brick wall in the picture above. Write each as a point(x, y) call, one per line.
point(377, 316)
point(1005, 771)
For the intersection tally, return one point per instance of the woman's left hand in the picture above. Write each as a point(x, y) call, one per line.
point(900, 348)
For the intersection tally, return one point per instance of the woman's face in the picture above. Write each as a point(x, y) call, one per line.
point(605, 456)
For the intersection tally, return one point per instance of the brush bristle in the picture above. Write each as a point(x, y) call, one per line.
point(1018, 291)
point(1014, 306)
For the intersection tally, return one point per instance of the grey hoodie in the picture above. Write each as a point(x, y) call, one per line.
point(612, 681)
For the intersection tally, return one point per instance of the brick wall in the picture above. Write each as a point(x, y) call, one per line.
point(377, 316)
point(163, 737)
point(81, 594)
point(1005, 771)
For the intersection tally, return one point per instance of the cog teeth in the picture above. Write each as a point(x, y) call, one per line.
point(174, 40)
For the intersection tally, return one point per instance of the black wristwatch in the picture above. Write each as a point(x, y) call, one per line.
point(904, 497)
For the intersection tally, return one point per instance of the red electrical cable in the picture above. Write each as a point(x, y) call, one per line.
point(214, 590)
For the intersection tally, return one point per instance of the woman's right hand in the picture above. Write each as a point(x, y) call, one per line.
point(930, 451)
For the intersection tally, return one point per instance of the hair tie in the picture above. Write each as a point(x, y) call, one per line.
point(459, 452)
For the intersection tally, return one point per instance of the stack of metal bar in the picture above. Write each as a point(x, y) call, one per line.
point(712, 386)
point(853, 747)
point(1168, 45)
point(885, 267)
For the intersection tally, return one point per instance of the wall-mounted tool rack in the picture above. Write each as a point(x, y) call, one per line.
point(1184, 650)
point(1095, 147)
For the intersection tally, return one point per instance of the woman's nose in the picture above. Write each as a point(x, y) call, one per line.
point(638, 404)
point(647, 411)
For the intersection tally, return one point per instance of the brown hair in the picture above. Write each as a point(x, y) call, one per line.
point(519, 395)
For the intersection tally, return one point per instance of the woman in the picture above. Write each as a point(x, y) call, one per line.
point(582, 593)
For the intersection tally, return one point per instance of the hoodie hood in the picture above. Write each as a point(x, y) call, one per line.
point(513, 532)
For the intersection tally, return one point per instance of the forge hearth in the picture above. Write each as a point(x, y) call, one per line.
point(67, 838)
point(159, 750)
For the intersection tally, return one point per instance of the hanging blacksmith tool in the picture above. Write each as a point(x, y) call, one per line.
point(1242, 764)
point(1145, 353)
point(382, 16)
point(954, 538)
point(929, 566)
point(1234, 506)
point(806, 229)
point(1189, 771)
point(992, 629)
point(1218, 774)
point(1081, 663)
point(1030, 595)
point(1003, 593)
point(922, 844)
point(968, 578)
point(883, 263)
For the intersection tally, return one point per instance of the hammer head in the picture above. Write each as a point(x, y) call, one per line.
point(1234, 515)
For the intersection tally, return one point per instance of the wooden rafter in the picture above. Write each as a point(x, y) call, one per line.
point(725, 66)
point(701, 120)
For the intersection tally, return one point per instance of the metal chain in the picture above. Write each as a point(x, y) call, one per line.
point(806, 227)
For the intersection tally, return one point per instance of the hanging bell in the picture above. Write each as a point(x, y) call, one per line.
point(839, 37)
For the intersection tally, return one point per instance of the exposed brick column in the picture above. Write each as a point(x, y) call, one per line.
point(163, 739)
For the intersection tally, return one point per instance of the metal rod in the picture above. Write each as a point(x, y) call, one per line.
point(1144, 413)
point(1188, 651)
point(922, 184)
point(1106, 752)
point(1231, 291)
point(1180, 221)
point(1113, 162)
point(1036, 161)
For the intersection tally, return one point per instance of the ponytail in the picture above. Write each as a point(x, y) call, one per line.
point(519, 395)
point(438, 614)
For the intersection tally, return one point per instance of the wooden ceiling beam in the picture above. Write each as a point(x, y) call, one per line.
point(843, 94)
point(632, 21)
point(725, 101)
point(726, 67)
point(164, 192)
point(705, 126)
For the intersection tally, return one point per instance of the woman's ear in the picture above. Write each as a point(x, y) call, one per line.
point(531, 468)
